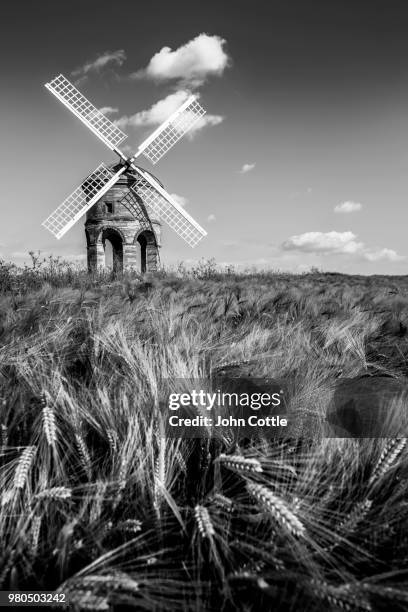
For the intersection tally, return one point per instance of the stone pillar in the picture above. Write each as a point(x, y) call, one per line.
point(151, 257)
point(96, 257)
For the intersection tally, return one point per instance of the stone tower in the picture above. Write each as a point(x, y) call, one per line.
point(133, 244)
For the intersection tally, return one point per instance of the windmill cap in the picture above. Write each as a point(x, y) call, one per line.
point(130, 173)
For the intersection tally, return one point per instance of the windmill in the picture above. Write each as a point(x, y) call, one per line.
point(145, 191)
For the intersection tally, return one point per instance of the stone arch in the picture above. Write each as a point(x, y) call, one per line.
point(116, 239)
point(148, 250)
point(110, 228)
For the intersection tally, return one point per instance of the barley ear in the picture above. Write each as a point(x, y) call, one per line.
point(278, 509)
point(48, 419)
point(23, 467)
point(204, 523)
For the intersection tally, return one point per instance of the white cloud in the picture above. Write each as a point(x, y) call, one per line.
point(161, 110)
point(180, 199)
point(205, 121)
point(348, 207)
point(108, 110)
point(106, 59)
point(191, 63)
point(343, 243)
point(211, 218)
point(157, 113)
point(247, 168)
point(324, 242)
point(381, 254)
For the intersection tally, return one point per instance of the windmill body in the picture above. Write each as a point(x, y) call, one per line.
point(135, 241)
point(124, 203)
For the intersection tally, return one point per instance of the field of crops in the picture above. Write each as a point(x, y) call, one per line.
point(96, 502)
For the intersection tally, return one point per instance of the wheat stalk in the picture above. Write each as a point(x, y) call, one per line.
point(181, 461)
point(240, 464)
point(112, 439)
point(49, 425)
point(277, 508)
point(116, 580)
point(130, 525)
point(343, 597)
point(122, 478)
point(23, 467)
point(224, 502)
point(96, 508)
point(251, 568)
point(389, 456)
point(386, 592)
point(35, 534)
point(159, 474)
point(204, 523)
point(355, 517)
point(54, 493)
point(83, 454)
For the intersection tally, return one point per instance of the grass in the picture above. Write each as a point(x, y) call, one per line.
point(95, 502)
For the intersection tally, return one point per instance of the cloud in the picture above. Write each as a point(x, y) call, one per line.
point(191, 63)
point(341, 243)
point(206, 120)
point(157, 113)
point(211, 218)
point(381, 254)
point(348, 207)
point(247, 168)
point(323, 242)
point(108, 110)
point(180, 199)
point(161, 110)
point(105, 60)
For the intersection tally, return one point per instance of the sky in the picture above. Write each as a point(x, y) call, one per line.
point(302, 161)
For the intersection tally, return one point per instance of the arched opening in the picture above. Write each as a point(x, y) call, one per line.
point(113, 247)
point(143, 243)
point(148, 251)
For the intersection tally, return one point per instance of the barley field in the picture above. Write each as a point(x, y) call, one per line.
point(96, 503)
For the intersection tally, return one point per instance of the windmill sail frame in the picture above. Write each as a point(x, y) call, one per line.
point(154, 148)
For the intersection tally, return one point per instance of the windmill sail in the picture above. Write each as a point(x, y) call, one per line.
point(168, 209)
point(96, 121)
point(81, 200)
point(146, 189)
point(170, 132)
